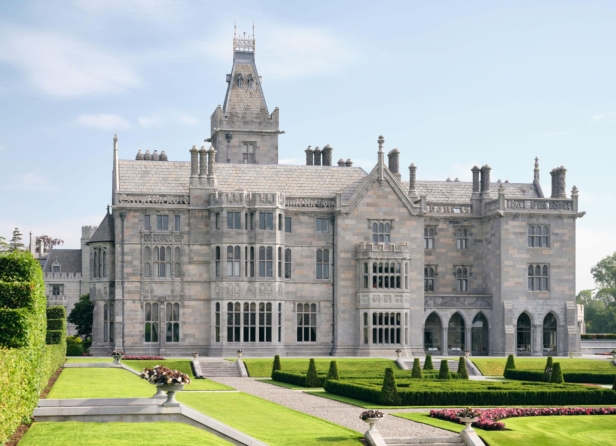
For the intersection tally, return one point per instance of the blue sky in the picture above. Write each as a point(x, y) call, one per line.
point(450, 84)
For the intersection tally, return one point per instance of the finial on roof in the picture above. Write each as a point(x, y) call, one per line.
point(448, 180)
point(115, 138)
point(107, 208)
point(457, 180)
point(536, 163)
point(381, 141)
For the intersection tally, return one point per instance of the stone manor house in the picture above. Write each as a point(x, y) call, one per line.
point(235, 251)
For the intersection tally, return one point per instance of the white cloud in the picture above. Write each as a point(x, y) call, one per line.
point(30, 181)
point(60, 65)
point(149, 121)
point(604, 117)
point(288, 52)
point(591, 245)
point(150, 10)
point(162, 119)
point(103, 121)
point(187, 120)
point(461, 171)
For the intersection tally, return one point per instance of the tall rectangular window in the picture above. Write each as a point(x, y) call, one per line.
point(538, 278)
point(462, 238)
point(217, 220)
point(177, 222)
point(365, 327)
point(287, 263)
point(429, 275)
point(234, 315)
point(217, 260)
point(172, 316)
point(151, 322)
point(538, 236)
point(217, 322)
point(233, 261)
point(265, 322)
point(279, 261)
point(234, 220)
point(162, 222)
point(462, 279)
point(252, 221)
point(322, 264)
point(266, 259)
point(249, 262)
point(429, 237)
point(279, 322)
point(287, 224)
point(280, 222)
point(306, 323)
point(322, 224)
point(146, 222)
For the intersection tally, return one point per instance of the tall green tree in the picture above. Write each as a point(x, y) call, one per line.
point(604, 273)
point(4, 246)
point(82, 315)
point(15, 244)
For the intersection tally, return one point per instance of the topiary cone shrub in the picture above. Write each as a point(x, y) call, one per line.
point(428, 364)
point(443, 373)
point(389, 391)
point(557, 374)
point(510, 363)
point(332, 373)
point(312, 378)
point(462, 370)
point(548, 369)
point(276, 365)
point(416, 373)
point(614, 386)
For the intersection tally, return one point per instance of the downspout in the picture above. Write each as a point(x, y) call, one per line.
point(123, 218)
point(333, 222)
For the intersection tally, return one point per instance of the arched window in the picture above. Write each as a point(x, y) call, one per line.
point(105, 323)
point(550, 330)
point(146, 269)
point(480, 336)
point(178, 269)
point(217, 322)
point(104, 262)
point(147, 254)
point(380, 233)
point(96, 263)
point(432, 334)
point(287, 263)
point(429, 278)
point(462, 279)
point(455, 334)
point(523, 335)
point(172, 315)
point(251, 81)
point(240, 80)
point(538, 278)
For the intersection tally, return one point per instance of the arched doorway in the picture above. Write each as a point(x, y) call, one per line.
point(455, 335)
point(549, 334)
point(523, 335)
point(432, 334)
point(480, 336)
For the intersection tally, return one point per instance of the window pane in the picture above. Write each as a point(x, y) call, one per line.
point(165, 222)
point(287, 224)
point(146, 223)
point(270, 221)
point(237, 218)
point(177, 222)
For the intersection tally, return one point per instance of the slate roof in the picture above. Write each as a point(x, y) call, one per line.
point(106, 231)
point(461, 191)
point(237, 99)
point(169, 177)
point(69, 259)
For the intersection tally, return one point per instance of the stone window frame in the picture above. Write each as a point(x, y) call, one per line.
point(60, 288)
point(249, 151)
point(288, 225)
point(383, 328)
point(462, 235)
point(287, 263)
point(153, 321)
point(100, 263)
point(234, 220)
point(217, 320)
point(322, 264)
point(266, 262)
point(322, 225)
point(381, 231)
point(163, 219)
point(539, 280)
point(383, 277)
point(239, 316)
point(217, 260)
point(108, 322)
point(430, 232)
point(266, 221)
point(147, 222)
point(173, 322)
point(541, 240)
point(462, 274)
point(234, 261)
point(177, 222)
point(306, 322)
point(249, 261)
point(428, 277)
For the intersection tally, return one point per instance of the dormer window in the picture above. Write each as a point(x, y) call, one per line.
point(240, 81)
point(56, 268)
point(251, 81)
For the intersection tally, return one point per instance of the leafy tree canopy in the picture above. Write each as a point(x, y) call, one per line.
point(48, 243)
point(82, 315)
point(15, 244)
point(604, 273)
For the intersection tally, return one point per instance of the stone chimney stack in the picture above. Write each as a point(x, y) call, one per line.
point(393, 158)
point(211, 166)
point(413, 181)
point(341, 163)
point(203, 167)
point(349, 163)
point(476, 189)
point(309, 156)
point(485, 180)
point(194, 165)
point(327, 155)
point(317, 157)
point(558, 182)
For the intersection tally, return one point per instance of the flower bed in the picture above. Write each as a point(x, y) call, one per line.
point(164, 375)
point(489, 419)
point(144, 358)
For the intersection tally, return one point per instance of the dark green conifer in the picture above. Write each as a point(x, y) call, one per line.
point(333, 371)
point(510, 363)
point(416, 373)
point(389, 391)
point(462, 368)
point(428, 364)
point(443, 373)
point(557, 374)
point(276, 365)
point(312, 378)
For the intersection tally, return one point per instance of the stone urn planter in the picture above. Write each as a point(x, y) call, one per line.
point(468, 422)
point(116, 359)
point(195, 355)
point(467, 353)
point(372, 422)
point(371, 417)
point(398, 352)
point(170, 389)
point(239, 354)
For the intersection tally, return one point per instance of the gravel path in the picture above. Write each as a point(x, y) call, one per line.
point(334, 411)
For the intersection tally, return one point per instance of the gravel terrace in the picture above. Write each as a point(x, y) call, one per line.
point(334, 411)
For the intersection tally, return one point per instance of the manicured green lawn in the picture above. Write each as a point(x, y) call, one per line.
point(258, 368)
point(88, 359)
point(160, 433)
point(100, 383)
point(496, 366)
point(273, 424)
point(183, 365)
point(569, 430)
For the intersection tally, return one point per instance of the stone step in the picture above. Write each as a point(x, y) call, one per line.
point(424, 441)
point(219, 368)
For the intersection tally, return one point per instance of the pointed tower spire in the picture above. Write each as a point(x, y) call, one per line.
point(381, 141)
point(115, 182)
point(536, 181)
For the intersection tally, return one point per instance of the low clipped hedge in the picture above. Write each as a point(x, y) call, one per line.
point(298, 379)
point(479, 394)
point(56, 324)
point(570, 377)
point(56, 312)
point(599, 336)
point(54, 337)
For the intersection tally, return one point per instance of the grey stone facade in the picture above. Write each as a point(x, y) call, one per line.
point(321, 259)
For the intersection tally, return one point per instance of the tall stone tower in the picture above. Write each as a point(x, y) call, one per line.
point(242, 130)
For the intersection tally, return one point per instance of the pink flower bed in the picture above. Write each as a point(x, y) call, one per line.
point(144, 358)
point(489, 418)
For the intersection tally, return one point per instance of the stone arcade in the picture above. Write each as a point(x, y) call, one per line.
point(232, 250)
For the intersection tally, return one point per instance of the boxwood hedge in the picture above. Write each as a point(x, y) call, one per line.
point(56, 312)
point(570, 377)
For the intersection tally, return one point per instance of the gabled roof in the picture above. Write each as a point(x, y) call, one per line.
point(249, 95)
point(69, 260)
point(105, 231)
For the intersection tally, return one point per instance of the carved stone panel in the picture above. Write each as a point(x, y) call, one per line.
point(233, 290)
point(383, 300)
point(265, 290)
point(458, 302)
